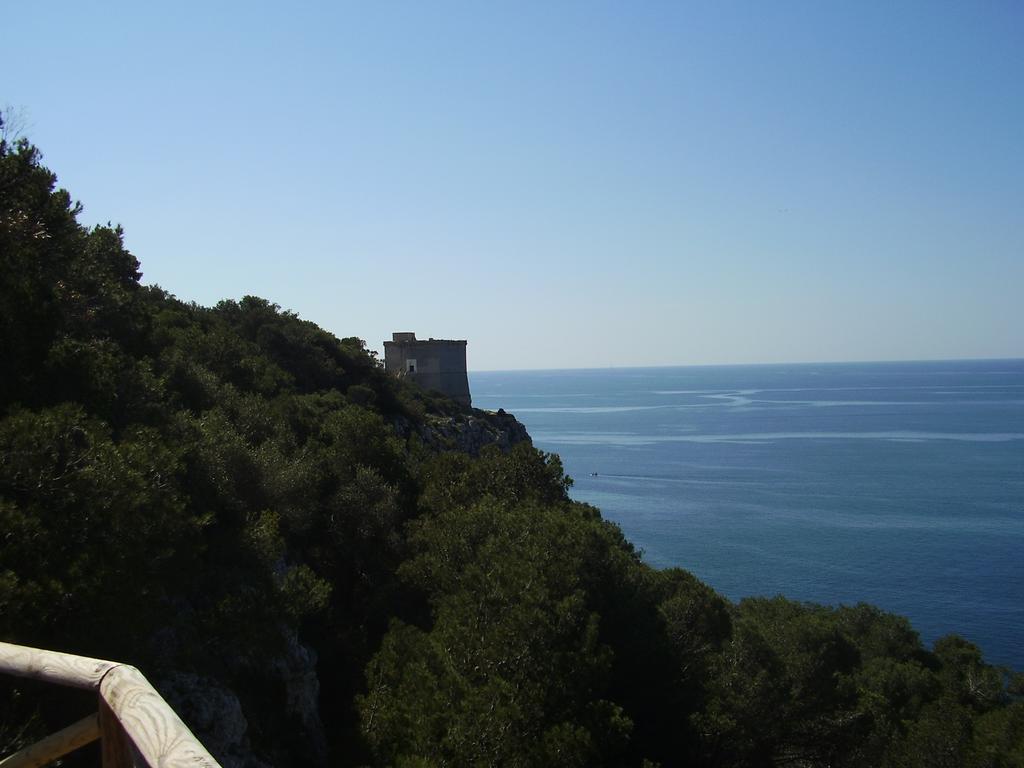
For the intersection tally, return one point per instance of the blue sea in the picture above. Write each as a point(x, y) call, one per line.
point(898, 484)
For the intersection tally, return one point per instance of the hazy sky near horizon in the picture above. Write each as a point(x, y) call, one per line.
point(564, 184)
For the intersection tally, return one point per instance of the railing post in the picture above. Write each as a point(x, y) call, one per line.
point(114, 746)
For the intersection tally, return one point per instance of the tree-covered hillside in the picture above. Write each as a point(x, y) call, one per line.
point(250, 510)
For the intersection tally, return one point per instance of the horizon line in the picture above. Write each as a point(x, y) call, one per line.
point(751, 365)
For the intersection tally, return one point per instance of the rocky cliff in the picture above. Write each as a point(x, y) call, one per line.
point(469, 432)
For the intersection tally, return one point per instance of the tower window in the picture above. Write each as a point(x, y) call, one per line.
point(410, 366)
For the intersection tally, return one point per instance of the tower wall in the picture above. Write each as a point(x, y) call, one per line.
point(435, 364)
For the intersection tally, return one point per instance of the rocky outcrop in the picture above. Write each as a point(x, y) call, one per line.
point(470, 432)
point(295, 669)
point(214, 713)
point(265, 705)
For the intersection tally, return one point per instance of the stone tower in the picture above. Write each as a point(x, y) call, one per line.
point(435, 364)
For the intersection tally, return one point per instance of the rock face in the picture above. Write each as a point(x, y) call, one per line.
point(296, 671)
point(214, 714)
point(472, 432)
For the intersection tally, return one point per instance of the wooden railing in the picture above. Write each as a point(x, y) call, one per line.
point(135, 726)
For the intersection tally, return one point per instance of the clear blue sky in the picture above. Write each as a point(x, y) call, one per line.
point(564, 184)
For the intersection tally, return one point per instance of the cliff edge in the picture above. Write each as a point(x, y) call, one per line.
point(469, 432)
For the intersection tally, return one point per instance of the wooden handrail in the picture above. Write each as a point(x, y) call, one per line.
point(136, 725)
point(158, 734)
point(53, 666)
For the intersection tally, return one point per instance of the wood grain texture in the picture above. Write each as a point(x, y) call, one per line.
point(136, 725)
point(53, 667)
point(157, 733)
point(44, 751)
point(115, 750)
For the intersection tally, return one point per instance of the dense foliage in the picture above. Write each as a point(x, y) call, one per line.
point(212, 493)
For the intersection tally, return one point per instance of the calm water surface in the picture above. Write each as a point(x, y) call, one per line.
point(899, 484)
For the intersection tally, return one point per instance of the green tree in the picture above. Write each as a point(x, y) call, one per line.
point(95, 531)
point(511, 669)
